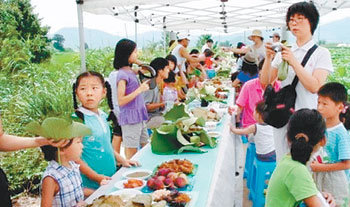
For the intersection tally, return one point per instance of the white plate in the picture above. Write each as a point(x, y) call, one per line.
point(125, 175)
point(120, 184)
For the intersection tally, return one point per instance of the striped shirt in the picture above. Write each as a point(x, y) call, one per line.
point(69, 181)
point(338, 145)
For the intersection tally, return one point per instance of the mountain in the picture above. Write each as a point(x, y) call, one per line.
point(333, 32)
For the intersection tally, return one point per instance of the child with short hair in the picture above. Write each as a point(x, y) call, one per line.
point(331, 99)
point(61, 182)
point(263, 135)
point(98, 160)
point(291, 182)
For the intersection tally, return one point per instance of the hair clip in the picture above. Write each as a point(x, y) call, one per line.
point(302, 135)
point(344, 109)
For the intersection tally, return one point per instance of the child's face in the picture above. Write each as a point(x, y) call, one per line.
point(164, 74)
point(90, 92)
point(328, 108)
point(171, 65)
point(133, 56)
point(73, 152)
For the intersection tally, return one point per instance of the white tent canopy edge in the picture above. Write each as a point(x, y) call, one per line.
point(186, 15)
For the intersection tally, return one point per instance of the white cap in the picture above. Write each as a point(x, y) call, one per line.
point(181, 36)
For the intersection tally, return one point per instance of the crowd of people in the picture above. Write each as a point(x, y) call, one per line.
point(319, 125)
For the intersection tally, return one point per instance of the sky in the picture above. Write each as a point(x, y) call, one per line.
point(58, 14)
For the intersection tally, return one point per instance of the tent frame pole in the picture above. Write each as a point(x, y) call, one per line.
point(81, 35)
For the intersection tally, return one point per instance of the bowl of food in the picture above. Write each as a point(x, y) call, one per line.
point(138, 174)
point(136, 184)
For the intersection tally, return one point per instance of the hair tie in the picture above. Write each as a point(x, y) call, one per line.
point(344, 109)
point(302, 135)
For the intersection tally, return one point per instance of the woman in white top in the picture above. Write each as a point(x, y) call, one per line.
point(182, 55)
point(257, 48)
point(302, 19)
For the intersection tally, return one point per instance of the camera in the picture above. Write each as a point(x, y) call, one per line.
point(277, 47)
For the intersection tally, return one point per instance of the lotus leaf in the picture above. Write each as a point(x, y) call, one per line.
point(176, 112)
point(181, 138)
point(207, 140)
point(190, 148)
point(58, 128)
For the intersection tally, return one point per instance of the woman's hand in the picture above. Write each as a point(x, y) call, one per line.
point(288, 56)
point(329, 198)
point(270, 53)
point(58, 144)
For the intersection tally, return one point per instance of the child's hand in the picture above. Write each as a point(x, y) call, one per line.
point(81, 204)
point(144, 86)
point(316, 166)
point(129, 163)
point(103, 180)
point(329, 198)
point(232, 128)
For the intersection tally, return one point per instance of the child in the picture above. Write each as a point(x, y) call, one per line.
point(61, 183)
point(170, 92)
point(263, 135)
point(172, 65)
point(291, 182)
point(154, 103)
point(331, 99)
point(133, 112)
point(98, 160)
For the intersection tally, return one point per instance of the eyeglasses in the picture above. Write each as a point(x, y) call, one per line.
point(296, 20)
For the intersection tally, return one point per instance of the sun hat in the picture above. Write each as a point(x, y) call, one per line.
point(256, 32)
point(250, 58)
point(58, 129)
point(182, 36)
point(275, 35)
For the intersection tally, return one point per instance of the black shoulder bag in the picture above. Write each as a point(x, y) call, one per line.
point(279, 106)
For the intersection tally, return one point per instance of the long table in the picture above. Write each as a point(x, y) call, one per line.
point(214, 183)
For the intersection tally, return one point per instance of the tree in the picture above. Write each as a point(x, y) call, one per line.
point(58, 40)
point(202, 40)
point(22, 39)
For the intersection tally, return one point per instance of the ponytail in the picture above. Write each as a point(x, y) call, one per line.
point(75, 103)
point(306, 128)
point(111, 117)
point(301, 149)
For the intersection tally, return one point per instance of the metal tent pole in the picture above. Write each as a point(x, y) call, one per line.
point(164, 30)
point(81, 35)
point(136, 21)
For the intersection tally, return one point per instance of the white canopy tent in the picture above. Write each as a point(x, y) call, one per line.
point(185, 15)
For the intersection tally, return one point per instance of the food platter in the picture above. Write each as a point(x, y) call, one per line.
point(121, 184)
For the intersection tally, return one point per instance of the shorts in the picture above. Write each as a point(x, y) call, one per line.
point(4, 190)
point(134, 135)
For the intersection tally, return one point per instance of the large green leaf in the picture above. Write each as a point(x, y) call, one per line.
point(167, 129)
point(190, 148)
point(188, 122)
point(200, 122)
point(211, 142)
point(176, 112)
point(58, 128)
point(164, 143)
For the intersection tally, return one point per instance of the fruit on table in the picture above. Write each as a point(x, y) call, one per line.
point(172, 180)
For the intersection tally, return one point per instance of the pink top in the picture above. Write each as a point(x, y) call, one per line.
point(251, 93)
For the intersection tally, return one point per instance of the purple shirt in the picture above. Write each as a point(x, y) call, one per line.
point(135, 111)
